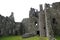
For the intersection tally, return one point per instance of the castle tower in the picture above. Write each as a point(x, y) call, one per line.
point(49, 31)
point(42, 22)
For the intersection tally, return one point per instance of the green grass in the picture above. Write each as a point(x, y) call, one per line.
point(20, 38)
point(58, 37)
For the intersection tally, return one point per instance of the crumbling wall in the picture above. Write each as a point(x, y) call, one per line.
point(26, 25)
point(30, 25)
point(55, 9)
point(33, 16)
point(8, 26)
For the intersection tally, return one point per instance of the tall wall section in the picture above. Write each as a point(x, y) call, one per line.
point(42, 26)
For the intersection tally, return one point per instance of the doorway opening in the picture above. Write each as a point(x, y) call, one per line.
point(38, 32)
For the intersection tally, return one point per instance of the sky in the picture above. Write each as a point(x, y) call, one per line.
point(20, 7)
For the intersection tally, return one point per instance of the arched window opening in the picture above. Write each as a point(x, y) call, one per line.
point(36, 24)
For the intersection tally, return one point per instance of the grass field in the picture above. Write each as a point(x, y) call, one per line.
point(58, 37)
point(20, 38)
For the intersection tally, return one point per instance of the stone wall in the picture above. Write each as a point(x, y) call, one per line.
point(45, 21)
point(8, 26)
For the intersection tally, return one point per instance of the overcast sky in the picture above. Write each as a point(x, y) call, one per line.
point(20, 7)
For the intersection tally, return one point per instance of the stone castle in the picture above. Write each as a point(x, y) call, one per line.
point(45, 22)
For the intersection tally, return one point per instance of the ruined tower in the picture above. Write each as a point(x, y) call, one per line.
point(42, 22)
point(45, 22)
point(49, 30)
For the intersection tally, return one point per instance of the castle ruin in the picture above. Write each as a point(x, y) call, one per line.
point(45, 22)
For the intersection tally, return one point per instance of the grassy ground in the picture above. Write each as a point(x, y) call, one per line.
point(20, 38)
point(58, 37)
